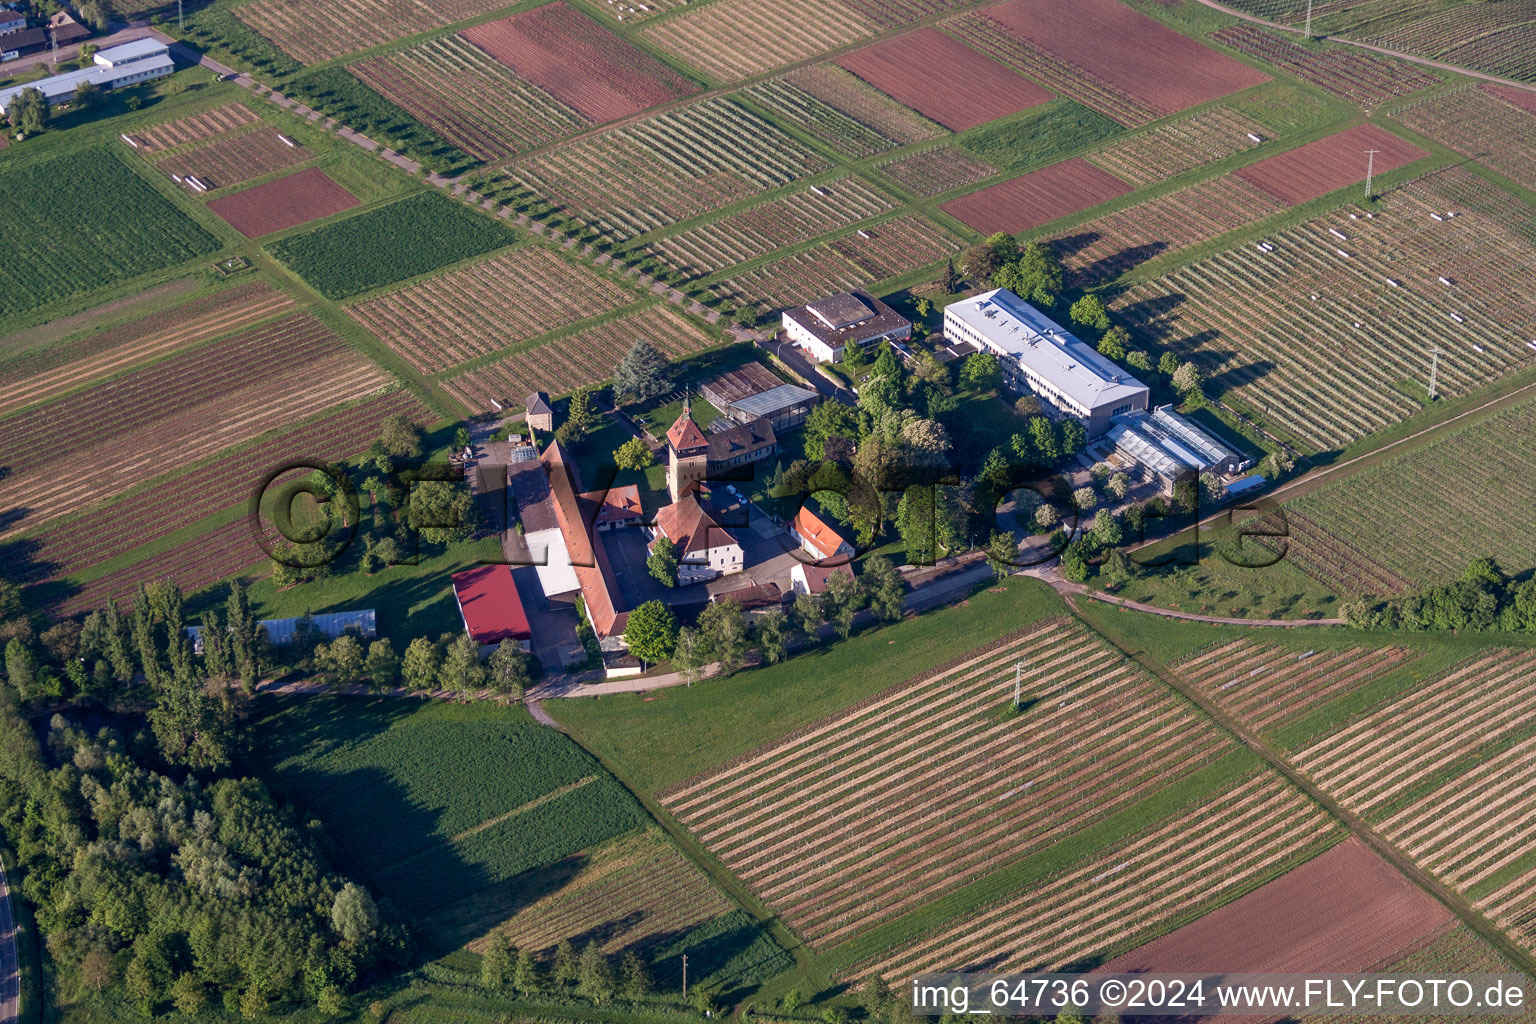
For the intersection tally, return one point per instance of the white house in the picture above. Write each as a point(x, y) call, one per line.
point(704, 548)
point(819, 534)
point(826, 328)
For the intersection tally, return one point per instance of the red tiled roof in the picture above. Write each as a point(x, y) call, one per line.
point(619, 505)
point(589, 558)
point(489, 602)
point(686, 524)
point(816, 576)
point(685, 434)
point(822, 535)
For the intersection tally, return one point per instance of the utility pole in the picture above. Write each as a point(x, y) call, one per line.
point(53, 34)
point(1434, 370)
point(1370, 170)
point(685, 975)
point(1309, 19)
point(180, 25)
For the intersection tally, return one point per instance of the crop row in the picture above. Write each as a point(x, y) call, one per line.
point(892, 13)
point(1478, 123)
point(1193, 861)
point(447, 320)
point(1264, 685)
point(795, 217)
point(896, 803)
point(670, 167)
point(468, 98)
point(191, 565)
point(733, 39)
point(1494, 38)
point(1179, 146)
point(45, 373)
point(194, 127)
point(585, 357)
point(1362, 77)
point(321, 29)
point(836, 107)
point(937, 170)
point(230, 159)
point(1510, 52)
point(1328, 558)
point(187, 497)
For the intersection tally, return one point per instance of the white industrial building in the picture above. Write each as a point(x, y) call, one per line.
point(826, 328)
point(116, 67)
point(1040, 357)
point(1170, 448)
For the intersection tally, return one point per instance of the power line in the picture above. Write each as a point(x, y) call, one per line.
point(1309, 19)
point(1370, 170)
point(1434, 370)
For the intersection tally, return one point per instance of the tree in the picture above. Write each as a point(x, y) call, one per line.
point(192, 727)
point(643, 373)
point(1187, 378)
point(1071, 439)
point(21, 668)
point(773, 630)
point(353, 914)
point(1118, 485)
point(633, 454)
point(87, 96)
point(662, 561)
point(1035, 276)
point(983, 260)
point(508, 670)
point(461, 671)
point(29, 111)
point(594, 975)
point(254, 1003)
point(1117, 570)
point(400, 436)
point(1045, 441)
point(525, 973)
point(1084, 498)
point(419, 667)
point(188, 994)
point(95, 13)
point(842, 601)
point(1115, 344)
point(343, 660)
point(723, 628)
point(443, 511)
point(1212, 489)
point(882, 583)
point(381, 666)
point(691, 653)
point(634, 976)
point(980, 372)
point(563, 964)
point(1003, 552)
point(1074, 563)
point(1139, 360)
point(1089, 311)
point(651, 632)
point(1168, 364)
point(496, 962)
point(581, 410)
point(1106, 530)
point(1047, 518)
point(826, 421)
point(461, 439)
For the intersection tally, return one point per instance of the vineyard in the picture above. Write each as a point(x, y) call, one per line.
point(469, 312)
point(910, 794)
point(408, 237)
point(1105, 55)
point(579, 62)
point(1422, 514)
point(793, 218)
point(934, 171)
point(668, 168)
point(1361, 77)
point(147, 515)
point(194, 127)
point(1103, 249)
point(1179, 146)
point(734, 39)
point(470, 99)
point(1194, 860)
point(585, 357)
point(853, 260)
point(318, 30)
point(1037, 198)
point(893, 13)
point(1265, 685)
point(233, 158)
point(836, 107)
point(1322, 333)
point(1329, 559)
point(943, 79)
point(289, 201)
point(84, 221)
point(175, 411)
point(1480, 123)
point(1497, 38)
point(46, 373)
point(219, 554)
point(1329, 164)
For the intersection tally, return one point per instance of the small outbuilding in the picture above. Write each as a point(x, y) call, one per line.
point(540, 414)
point(490, 606)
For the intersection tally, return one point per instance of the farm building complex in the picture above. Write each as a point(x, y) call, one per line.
point(116, 67)
point(1170, 448)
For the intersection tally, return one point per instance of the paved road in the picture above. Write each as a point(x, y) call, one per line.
point(803, 367)
point(10, 964)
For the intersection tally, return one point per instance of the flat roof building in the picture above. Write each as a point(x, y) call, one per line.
point(131, 52)
point(1169, 447)
point(826, 328)
point(752, 391)
point(282, 632)
point(61, 88)
point(1041, 357)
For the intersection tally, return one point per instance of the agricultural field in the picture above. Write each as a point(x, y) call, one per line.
point(1445, 772)
point(45, 372)
point(579, 62)
point(1354, 75)
point(1104, 55)
point(943, 79)
point(585, 357)
point(83, 221)
point(832, 105)
point(172, 412)
point(1103, 249)
point(1178, 146)
point(469, 98)
point(855, 259)
point(219, 554)
point(1496, 127)
point(321, 29)
point(865, 816)
point(671, 167)
point(733, 39)
point(289, 201)
point(1421, 515)
point(1265, 685)
point(1187, 863)
point(450, 319)
point(931, 172)
point(1495, 38)
point(194, 128)
point(1329, 164)
point(1037, 198)
point(795, 217)
point(1289, 330)
point(232, 158)
point(408, 237)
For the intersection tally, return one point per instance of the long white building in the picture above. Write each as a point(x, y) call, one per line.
point(1040, 357)
point(115, 68)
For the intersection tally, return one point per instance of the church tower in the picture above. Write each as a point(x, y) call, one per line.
point(687, 454)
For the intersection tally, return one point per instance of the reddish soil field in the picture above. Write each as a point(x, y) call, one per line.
point(284, 203)
point(1037, 198)
point(1346, 911)
point(1147, 60)
point(1519, 97)
point(580, 63)
point(943, 79)
point(1328, 164)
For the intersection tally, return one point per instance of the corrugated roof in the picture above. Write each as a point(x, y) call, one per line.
point(769, 402)
point(491, 607)
point(58, 88)
point(133, 50)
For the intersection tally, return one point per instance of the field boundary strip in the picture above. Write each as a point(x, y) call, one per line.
point(553, 794)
